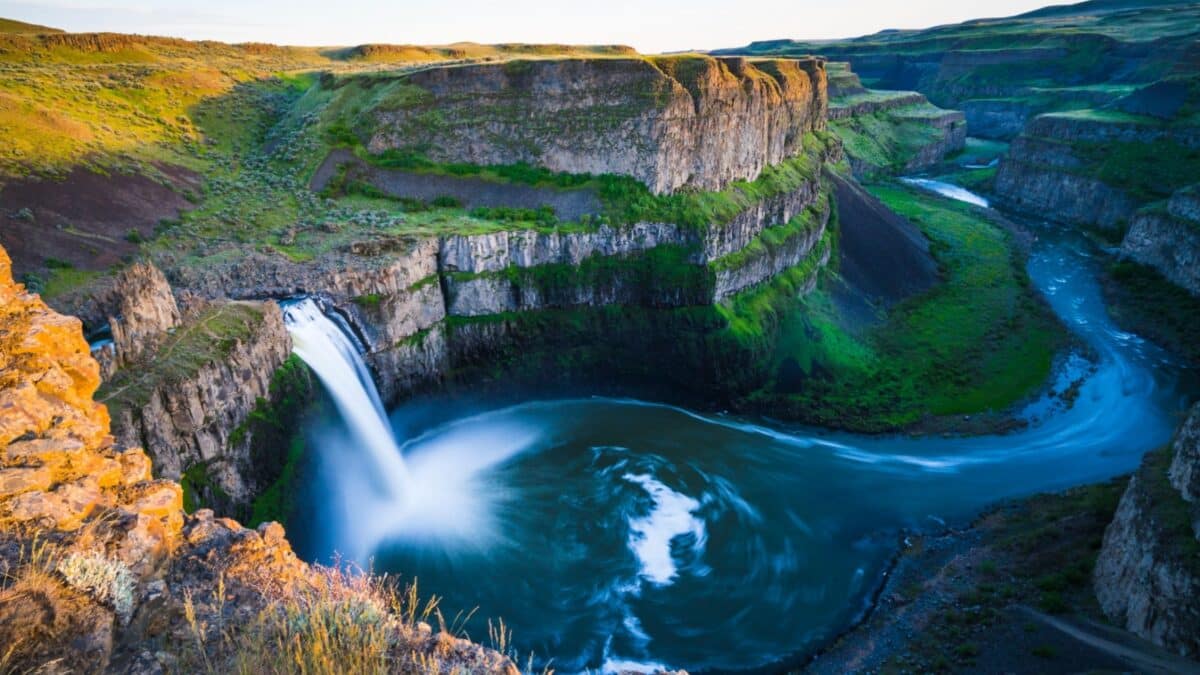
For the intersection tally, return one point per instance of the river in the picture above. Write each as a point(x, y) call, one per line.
point(609, 533)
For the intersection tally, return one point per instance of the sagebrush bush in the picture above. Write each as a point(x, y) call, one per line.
point(108, 581)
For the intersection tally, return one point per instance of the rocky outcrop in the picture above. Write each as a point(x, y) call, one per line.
point(1033, 179)
point(123, 579)
point(146, 310)
point(1184, 473)
point(670, 122)
point(1082, 168)
point(188, 414)
point(494, 252)
point(892, 132)
point(387, 286)
point(1147, 576)
point(866, 104)
point(1167, 238)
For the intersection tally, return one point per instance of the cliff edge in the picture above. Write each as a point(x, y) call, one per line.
point(671, 122)
point(1147, 577)
point(103, 570)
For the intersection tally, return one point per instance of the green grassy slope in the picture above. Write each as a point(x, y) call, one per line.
point(1064, 58)
point(981, 340)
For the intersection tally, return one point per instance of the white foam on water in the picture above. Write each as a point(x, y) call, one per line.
point(438, 494)
point(947, 190)
point(651, 535)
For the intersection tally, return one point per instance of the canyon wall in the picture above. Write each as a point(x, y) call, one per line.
point(402, 294)
point(124, 580)
point(671, 122)
point(184, 383)
point(1147, 576)
point(891, 132)
point(1094, 168)
point(1168, 239)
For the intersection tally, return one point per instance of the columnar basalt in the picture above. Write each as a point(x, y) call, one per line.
point(1147, 576)
point(68, 492)
point(186, 406)
point(670, 122)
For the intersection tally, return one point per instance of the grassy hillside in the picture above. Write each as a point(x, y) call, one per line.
point(981, 340)
point(107, 98)
point(1003, 71)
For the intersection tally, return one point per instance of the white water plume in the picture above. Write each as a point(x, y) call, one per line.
point(430, 489)
point(332, 356)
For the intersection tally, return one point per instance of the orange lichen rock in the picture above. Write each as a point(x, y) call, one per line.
point(103, 569)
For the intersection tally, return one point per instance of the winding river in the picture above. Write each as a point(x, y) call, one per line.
point(612, 533)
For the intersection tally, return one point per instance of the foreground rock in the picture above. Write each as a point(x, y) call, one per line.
point(105, 571)
point(1148, 574)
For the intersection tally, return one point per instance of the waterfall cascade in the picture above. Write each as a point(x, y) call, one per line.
point(326, 349)
point(430, 488)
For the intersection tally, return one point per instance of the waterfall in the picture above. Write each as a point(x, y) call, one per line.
point(435, 489)
point(331, 354)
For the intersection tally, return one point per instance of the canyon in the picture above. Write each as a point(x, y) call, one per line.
point(483, 225)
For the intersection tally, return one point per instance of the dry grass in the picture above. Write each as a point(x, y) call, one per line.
point(342, 621)
point(56, 606)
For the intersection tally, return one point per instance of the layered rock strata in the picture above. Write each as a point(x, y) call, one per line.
point(1167, 238)
point(187, 402)
point(1147, 576)
point(1055, 168)
point(670, 122)
point(90, 507)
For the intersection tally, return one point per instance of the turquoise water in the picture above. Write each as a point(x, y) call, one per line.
point(608, 533)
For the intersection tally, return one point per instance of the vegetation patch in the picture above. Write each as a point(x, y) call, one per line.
point(206, 340)
point(1147, 171)
point(885, 142)
point(1142, 301)
point(979, 341)
point(277, 441)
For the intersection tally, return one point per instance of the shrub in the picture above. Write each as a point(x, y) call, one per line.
point(447, 202)
point(108, 581)
point(134, 237)
point(33, 282)
point(543, 215)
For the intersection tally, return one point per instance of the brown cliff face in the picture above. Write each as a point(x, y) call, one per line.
point(1147, 577)
point(146, 311)
point(671, 122)
point(105, 572)
point(186, 401)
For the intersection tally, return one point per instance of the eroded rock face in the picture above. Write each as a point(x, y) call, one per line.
point(1046, 174)
point(1169, 239)
point(670, 122)
point(65, 482)
point(1185, 467)
point(146, 311)
point(1147, 577)
point(193, 419)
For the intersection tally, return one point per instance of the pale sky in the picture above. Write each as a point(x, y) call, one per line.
point(665, 25)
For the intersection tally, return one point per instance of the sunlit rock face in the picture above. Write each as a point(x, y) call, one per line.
point(72, 493)
point(671, 122)
point(60, 467)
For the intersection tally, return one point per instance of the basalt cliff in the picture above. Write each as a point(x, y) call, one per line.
point(1147, 576)
point(105, 569)
point(670, 122)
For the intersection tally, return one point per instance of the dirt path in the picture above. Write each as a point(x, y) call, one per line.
point(1138, 654)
